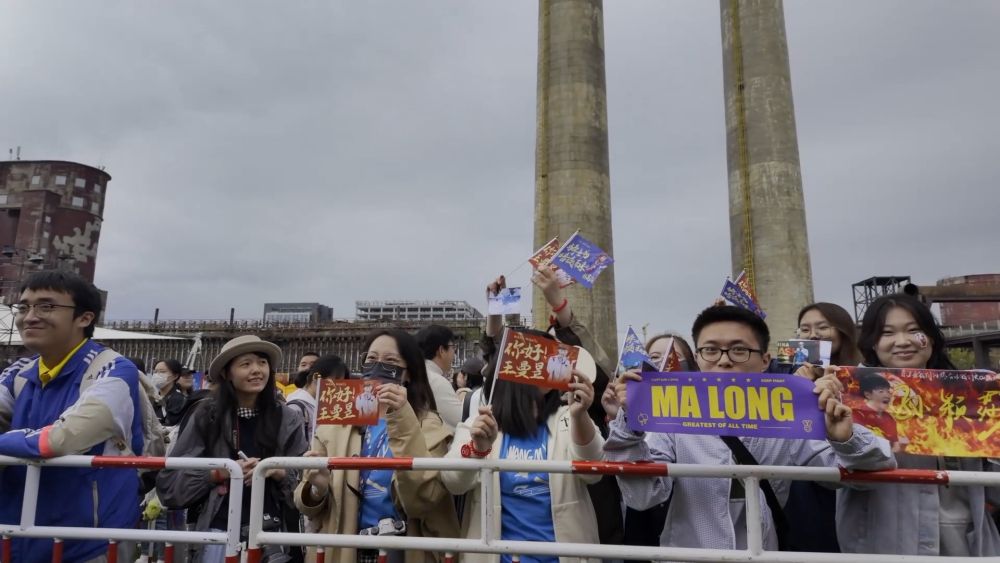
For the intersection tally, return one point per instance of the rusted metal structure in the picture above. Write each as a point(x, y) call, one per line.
point(343, 338)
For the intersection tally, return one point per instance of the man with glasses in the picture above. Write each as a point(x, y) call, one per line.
point(73, 396)
point(711, 513)
point(438, 345)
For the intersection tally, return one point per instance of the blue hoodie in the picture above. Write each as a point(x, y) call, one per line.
point(57, 420)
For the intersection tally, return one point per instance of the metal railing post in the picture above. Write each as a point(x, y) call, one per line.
point(29, 504)
point(754, 518)
point(486, 500)
point(235, 519)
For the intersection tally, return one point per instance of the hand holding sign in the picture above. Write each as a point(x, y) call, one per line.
point(391, 397)
point(495, 287)
point(621, 386)
point(583, 394)
point(318, 478)
point(545, 279)
point(609, 400)
point(839, 423)
point(484, 429)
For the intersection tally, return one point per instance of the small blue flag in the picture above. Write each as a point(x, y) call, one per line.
point(582, 260)
point(737, 296)
point(633, 352)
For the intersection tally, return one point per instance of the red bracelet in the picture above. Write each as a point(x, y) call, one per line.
point(469, 450)
point(561, 306)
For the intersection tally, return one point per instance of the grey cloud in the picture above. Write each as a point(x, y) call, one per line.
point(341, 151)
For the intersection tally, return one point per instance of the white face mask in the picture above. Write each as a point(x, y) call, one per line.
point(160, 379)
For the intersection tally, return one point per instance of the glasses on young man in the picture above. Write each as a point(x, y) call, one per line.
point(41, 309)
point(737, 354)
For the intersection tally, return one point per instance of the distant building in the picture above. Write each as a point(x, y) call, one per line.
point(312, 313)
point(416, 311)
point(50, 217)
point(967, 313)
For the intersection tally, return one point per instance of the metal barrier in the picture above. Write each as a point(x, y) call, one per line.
point(28, 529)
point(749, 475)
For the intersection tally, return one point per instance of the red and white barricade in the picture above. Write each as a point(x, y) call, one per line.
point(28, 529)
point(749, 475)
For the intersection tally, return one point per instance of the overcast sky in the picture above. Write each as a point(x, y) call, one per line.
point(336, 151)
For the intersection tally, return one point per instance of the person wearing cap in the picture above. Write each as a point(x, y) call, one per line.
point(243, 420)
point(525, 423)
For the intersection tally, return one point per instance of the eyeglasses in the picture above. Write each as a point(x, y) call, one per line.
point(41, 309)
point(806, 331)
point(453, 346)
point(737, 354)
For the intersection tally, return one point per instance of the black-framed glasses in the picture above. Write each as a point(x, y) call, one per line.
point(41, 309)
point(737, 354)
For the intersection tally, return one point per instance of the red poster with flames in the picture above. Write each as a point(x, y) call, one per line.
point(927, 412)
point(347, 402)
point(535, 360)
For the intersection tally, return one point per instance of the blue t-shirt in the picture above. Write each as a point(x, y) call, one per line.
point(525, 498)
point(376, 485)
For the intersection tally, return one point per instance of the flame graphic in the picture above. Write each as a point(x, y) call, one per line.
point(938, 412)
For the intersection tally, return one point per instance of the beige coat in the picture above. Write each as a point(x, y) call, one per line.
point(573, 514)
point(420, 495)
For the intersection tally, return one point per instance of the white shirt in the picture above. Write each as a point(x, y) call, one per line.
point(448, 404)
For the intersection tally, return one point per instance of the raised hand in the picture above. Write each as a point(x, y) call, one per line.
point(484, 429)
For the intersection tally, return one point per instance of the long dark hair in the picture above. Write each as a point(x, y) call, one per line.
point(418, 390)
point(874, 322)
point(268, 419)
point(840, 320)
point(514, 403)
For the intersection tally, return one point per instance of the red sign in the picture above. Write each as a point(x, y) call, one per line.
point(347, 402)
point(535, 360)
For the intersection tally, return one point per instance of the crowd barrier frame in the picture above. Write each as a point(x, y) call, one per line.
point(28, 529)
point(750, 475)
point(487, 544)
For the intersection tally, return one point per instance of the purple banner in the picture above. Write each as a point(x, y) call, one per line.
point(728, 404)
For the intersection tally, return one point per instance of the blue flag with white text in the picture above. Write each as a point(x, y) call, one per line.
point(633, 352)
point(582, 260)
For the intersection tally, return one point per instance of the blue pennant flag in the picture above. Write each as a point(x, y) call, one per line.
point(582, 260)
point(633, 352)
point(737, 296)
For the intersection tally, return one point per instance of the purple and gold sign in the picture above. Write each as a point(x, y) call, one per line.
point(725, 404)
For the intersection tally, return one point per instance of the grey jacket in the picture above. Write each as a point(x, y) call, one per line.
point(701, 513)
point(903, 519)
point(186, 488)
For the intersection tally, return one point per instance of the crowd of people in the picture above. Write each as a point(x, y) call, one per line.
point(75, 396)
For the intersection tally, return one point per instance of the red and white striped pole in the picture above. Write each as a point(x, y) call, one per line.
point(168, 553)
point(320, 555)
point(6, 549)
point(112, 551)
point(449, 557)
point(383, 556)
point(57, 550)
